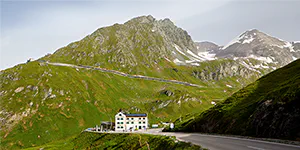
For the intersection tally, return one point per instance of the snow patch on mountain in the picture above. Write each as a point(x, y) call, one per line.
point(195, 56)
point(265, 59)
point(262, 66)
point(178, 49)
point(235, 58)
point(248, 66)
point(207, 55)
point(249, 40)
point(191, 61)
point(177, 61)
point(286, 45)
point(290, 46)
point(195, 64)
point(294, 58)
point(167, 59)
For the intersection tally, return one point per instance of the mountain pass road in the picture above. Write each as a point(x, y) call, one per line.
point(217, 142)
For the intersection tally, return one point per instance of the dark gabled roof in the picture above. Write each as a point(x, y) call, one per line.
point(136, 115)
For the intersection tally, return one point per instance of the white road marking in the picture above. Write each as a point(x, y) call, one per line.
point(257, 148)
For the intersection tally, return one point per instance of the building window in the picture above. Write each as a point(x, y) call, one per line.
point(131, 118)
point(127, 118)
point(144, 118)
point(117, 118)
point(144, 122)
point(121, 122)
point(121, 118)
point(120, 114)
point(127, 122)
point(140, 122)
point(131, 122)
point(118, 127)
point(139, 118)
point(122, 127)
point(118, 122)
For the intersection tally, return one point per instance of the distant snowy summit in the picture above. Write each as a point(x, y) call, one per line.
point(267, 51)
point(258, 45)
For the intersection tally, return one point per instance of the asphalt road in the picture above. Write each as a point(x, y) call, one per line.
point(216, 142)
point(125, 74)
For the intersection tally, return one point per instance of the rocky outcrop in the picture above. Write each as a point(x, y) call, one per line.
point(167, 92)
point(223, 70)
point(19, 89)
point(296, 50)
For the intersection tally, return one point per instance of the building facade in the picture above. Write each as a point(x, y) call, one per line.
point(130, 122)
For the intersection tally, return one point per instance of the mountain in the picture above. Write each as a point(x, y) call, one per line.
point(144, 65)
point(140, 42)
point(207, 47)
point(269, 108)
point(258, 45)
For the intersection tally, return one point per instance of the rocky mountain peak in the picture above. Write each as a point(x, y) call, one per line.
point(141, 41)
point(142, 19)
point(252, 32)
point(244, 38)
point(258, 45)
point(167, 22)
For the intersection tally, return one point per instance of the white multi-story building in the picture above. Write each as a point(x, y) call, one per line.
point(130, 122)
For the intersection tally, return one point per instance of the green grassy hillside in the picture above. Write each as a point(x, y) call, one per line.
point(268, 107)
point(42, 103)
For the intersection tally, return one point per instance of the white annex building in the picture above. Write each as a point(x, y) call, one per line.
point(130, 122)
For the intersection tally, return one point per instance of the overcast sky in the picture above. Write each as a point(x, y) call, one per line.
point(31, 29)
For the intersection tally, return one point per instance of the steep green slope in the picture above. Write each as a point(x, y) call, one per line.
point(269, 107)
point(86, 140)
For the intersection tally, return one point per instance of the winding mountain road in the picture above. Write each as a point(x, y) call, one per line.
point(125, 74)
point(217, 142)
